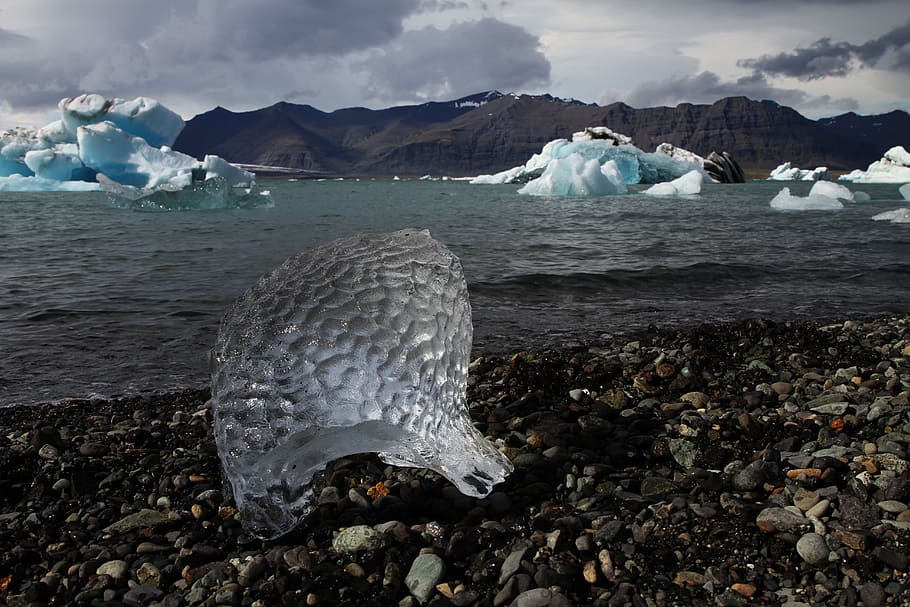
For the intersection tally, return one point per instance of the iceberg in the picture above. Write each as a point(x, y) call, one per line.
point(786, 172)
point(205, 195)
point(785, 201)
point(140, 117)
point(31, 183)
point(602, 145)
point(894, 167)
point(905, 191)
point(123, 145)
point(901, 215)
point(831, 190)
point(360, 345)
point(577, 176)
point(687, 185)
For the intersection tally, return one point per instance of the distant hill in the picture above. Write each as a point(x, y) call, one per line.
point(490, 131)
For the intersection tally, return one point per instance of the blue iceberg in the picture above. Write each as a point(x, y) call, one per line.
point(122, 147)
point(601, 145)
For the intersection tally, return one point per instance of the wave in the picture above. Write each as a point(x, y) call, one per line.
point(700, 273)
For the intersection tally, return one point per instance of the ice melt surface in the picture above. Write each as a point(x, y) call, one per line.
point(360, 345)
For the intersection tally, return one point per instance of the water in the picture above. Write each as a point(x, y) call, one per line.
point(102, 301)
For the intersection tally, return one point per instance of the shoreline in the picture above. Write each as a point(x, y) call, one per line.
point(722, 464)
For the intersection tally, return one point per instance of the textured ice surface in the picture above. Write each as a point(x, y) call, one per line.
point(360, 345)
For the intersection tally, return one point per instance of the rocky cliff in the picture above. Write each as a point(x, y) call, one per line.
point(490, 131)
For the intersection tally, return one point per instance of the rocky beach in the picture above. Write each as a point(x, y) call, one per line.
point(754, 463)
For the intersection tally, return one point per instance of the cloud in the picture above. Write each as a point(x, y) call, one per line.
point(269, 29)
point(10, 39)
point(467, 57)
point(433, 6)
point(208, 49)
point(824, 58)
point(707, 87)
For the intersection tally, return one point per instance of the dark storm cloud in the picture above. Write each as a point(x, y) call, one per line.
point(277, 28)
point(466, 58)
point(212, 48)
point(825, 58)
point(707, 87)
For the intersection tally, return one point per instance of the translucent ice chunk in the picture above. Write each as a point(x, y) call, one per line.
point(205, 195)
point(360, 345)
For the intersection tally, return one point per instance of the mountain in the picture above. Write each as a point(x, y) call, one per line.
point(490, 131)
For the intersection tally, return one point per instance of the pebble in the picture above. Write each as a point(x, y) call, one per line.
point(780, 519)
point(812, 548)
point(138, 520)
point(359, 538)
point(615, 495)
point(116, 569)
point(536, 597)
point(424, 574)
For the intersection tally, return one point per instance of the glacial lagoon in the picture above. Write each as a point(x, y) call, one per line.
point(101, 301)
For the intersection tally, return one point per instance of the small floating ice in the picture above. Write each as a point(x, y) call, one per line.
point(687, 185)
point(901, 215)
point(785, 201)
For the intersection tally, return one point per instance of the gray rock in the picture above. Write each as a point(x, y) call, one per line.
point(750, 478)
point(329, 496)
point(872, 594)
point(425, 573)
point(117, 569)
point(684, 452)
point(536, 597)
point(359, 538)
point(512, 564)
point(892, 506)
point(836, 408)
point(656, 486)
point(142, 595)
point(813, 548)
point(780, 519)
point(138, 520)
point(252, 571)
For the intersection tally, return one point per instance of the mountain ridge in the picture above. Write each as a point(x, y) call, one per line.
point(491, 131)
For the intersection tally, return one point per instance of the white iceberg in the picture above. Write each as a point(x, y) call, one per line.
point(787, 172)
point(603, 145)
point(360, 345)
point(125, 146)
point(785, 201)
point(687, 185)
point(905, 191)
point(831, 190)
point(894, 167)
point(575, 175)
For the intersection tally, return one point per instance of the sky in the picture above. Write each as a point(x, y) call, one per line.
point(821, 57)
